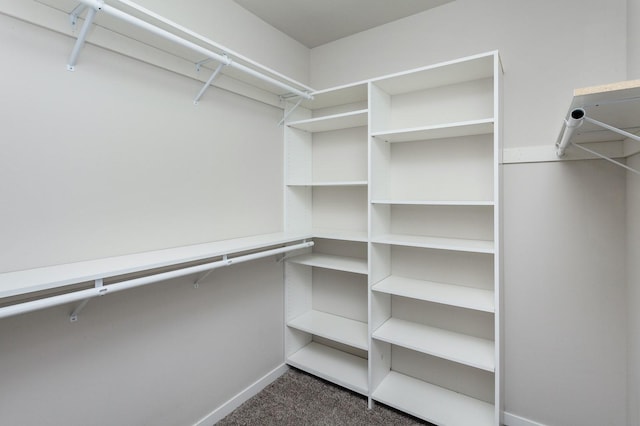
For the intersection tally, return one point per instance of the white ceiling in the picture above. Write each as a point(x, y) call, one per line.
point(316, 22)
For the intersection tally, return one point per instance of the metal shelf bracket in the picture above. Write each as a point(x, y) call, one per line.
point(84, 31)
point(99, 284)
point(227, 61)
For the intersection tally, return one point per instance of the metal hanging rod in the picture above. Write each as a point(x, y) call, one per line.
point(100, 290)
point(94, 6)
point(576, 118)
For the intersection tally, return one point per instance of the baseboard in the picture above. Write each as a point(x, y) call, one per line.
point(221, 412)
point(513, 420)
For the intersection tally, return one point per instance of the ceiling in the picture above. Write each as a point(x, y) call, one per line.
point(316, 22)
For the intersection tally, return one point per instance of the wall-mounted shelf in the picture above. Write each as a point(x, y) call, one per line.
point(455, 244)
point(345, 120)
point(221, 253)
point(440, 131)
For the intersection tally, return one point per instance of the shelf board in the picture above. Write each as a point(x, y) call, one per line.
point(328, 261)
point(441, 131)
point(446, 294)
point(443, 74)
point(333, 327)
point(435, 202)
point(333, 365)
point(334, 96)
point(330, 184)
point(456, 347)
point(49, 277)
point(340, 234)
point(332, 122)
point(433, 403)
point(441, 243)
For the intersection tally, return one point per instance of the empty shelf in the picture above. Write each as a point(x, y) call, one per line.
point(435, 202)
point(333, 365)
point(328, 261)
point(457, 347)
point(433, 403)
point(441, 131)
point(336, 183)
point(340, 234)
point(447, 294)
point(332, 122)
point(333, 327)
point(455, 244)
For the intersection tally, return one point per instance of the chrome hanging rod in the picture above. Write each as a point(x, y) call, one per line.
point(100, 290)
point(100, 5)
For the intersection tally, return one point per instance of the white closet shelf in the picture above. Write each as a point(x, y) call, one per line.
point(333, 327)
point(441, 243)
point(443, 74)
point(327, 123)
point(341, 95)
point(338, 367)
point(335, 183)
point(440, 131)
point(435, 202)
point(433, 403)
point(447, 294)
point(328, 261)
point(340, 234)
point(456, 347)
point(49, 277)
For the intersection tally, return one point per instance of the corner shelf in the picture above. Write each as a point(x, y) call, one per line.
point(327, 123)
point(328, 261)
point(333, 327)
point(333, 365)
point(433, 403)
point(456, 347)
point(447, 294)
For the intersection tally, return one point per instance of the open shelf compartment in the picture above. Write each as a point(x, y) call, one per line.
point(333, 327)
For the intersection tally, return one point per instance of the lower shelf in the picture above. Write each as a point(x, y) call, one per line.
point(433, 403)
point(333, 365)
point(333, 327)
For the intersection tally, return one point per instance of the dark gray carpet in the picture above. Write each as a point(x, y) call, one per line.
point(297, 398)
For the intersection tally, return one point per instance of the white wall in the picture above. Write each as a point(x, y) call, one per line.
point(115, 158)
point(633, 297)
point(565, 320)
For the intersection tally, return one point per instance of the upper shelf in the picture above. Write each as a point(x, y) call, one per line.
point(109, 27)
point(442, 131)
point(332, 122)
point(616, 104)
point(458, 71)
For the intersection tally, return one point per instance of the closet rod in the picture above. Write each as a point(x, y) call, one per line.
point(47, 302)
point(99, 5)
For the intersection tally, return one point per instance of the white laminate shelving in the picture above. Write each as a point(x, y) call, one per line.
point(434, 202)
point(448, 294)
point(440, 131)
point(456, 347)
point(340, 234)
point(433, 403)
point(328, 261)
point(442, 243)
point(331, 364)
point(345, 120)
point(333, 327)
point(333, 183)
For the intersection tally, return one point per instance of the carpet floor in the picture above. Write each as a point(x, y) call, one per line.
point(297, 398)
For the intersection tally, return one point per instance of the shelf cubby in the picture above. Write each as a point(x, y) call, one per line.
point(327, 123)
point(333, 327)
point(329, 261)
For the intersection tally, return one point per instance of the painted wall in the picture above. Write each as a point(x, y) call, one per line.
point(113, 159)
point(565, 316)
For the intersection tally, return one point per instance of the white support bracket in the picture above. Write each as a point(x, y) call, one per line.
point(97, 284)
point(75, 13)
point(225, 262)
point(84, 31)
point(226, 62)
point(288, 113)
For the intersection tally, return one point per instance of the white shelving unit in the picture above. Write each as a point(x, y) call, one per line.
point(326, 194)
point(397, 179)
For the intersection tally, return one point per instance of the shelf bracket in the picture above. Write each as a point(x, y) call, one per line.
point(290, 111)
point(74, 315)
point(604, 157)
point(225, 260)
point(84, 31)
point(210, 80)
point(75, 13)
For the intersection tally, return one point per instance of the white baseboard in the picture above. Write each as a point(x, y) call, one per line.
point(221, 412)
point(513, 420)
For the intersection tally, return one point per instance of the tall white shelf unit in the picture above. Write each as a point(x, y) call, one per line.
point(398, 179)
